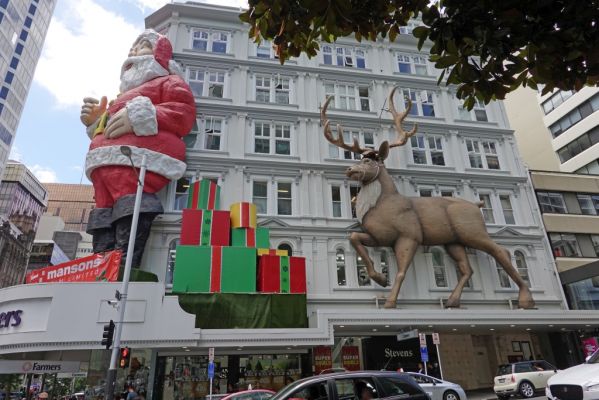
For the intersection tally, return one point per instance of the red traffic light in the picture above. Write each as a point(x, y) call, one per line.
point(125, 355)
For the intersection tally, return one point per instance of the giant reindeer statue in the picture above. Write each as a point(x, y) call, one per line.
point(390, 219)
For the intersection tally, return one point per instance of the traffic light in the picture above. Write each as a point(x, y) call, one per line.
point(108, 334)
point(124, 357)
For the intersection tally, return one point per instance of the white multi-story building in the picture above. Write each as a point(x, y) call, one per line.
point(258, 133)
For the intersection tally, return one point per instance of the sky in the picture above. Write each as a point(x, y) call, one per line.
point(86, 44)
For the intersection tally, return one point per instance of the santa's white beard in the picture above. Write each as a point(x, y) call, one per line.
point(141, 70)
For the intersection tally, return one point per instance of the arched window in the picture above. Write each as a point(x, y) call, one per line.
point(170, 262)
point(385, 264)
point(439, 270)
point(363, 278)
point(521, 266)
point(286, 246)
point(340, 261)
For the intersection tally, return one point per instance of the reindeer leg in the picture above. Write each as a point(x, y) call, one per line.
point(405, 249)
point(359, 240)
point(458, 253)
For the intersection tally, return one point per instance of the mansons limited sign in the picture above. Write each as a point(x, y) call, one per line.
point(37, 366)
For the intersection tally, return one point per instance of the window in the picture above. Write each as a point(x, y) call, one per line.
point(575, 116)
point(523, 367)
point(407, 30)
point(357, 388)
point(260, 196)
point(508, 211)
point(170, 262)
point(591, 168)
point(397, 387)
point(265, 50)
point(564, 245)
point(211, 129)
point(439, 270)
point(595, 240)
point(482, 154)
point(348, 96)
point(425, 192)
point(206, 40)
point(316, 391)
point(423, 102)
point(555, 100)
point(411, 64)
point(286, 246)
point(340, 261)
point(267, 143)
point(478, 112)
point(366, 139)
point(487, 208)
point(447, 193)
point(589, 204)
point(521, 266)
point(427, 149)
point(343, 56)
point(206, 83)
point(181, 189)
point(363, 278)
point(336, 201)
point(353, 194)
point(385, 265)
point(284, 198)
point(272, 89)
point(552, 202)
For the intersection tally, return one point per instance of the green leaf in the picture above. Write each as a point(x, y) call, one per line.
point(446, 61)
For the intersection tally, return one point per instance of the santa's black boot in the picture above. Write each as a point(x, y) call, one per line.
point(150, 208)
point(99, 225)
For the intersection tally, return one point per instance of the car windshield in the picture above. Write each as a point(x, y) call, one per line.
point(504, 369)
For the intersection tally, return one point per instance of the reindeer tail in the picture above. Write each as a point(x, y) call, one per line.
point(480, 204)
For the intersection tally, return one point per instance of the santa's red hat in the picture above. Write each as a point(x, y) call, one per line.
point(163, 50)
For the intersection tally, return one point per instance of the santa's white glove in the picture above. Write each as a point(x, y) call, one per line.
point(118, 124)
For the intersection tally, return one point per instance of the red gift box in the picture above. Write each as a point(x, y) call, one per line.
point(281, 274)
point(205, 227)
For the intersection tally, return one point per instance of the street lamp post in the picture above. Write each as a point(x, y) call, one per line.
point(122, 295)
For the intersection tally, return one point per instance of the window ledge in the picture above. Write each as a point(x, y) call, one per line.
point(351, 111)
point(469, 121)
point(449, 290)
point(431, 77)
point(343, 67)
point(486, 170)
point(515, 290)
point(254, 102)
point(359, 288)
point(206, 151)
point(328, 159)
point(223, 99)
point(429, 166)
point(271, 59)
point(230, 55)
point(269, 155)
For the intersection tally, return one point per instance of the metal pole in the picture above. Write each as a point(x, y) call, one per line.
point(111, 375)
point(439, 360)
point(425, 370)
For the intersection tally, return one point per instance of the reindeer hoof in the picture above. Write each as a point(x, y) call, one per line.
point(526, 301)
point(452, 303)
point(390, 304)
point(380, 279)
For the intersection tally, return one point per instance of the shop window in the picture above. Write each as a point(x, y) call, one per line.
point(286, 246)
point(439, 270)
point(521, 266)
point(170, 263)
point(340, 262)
point(363, 278)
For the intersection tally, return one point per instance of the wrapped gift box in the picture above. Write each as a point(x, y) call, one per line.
point(243, 215)
point(204, 195)
point(251, 237)
point(215, 269)
point(280, 274)
point(205, 227)
point(272, 252)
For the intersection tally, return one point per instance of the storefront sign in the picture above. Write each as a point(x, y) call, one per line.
point(422, 337)
point(407, 335)
point(97, 267)
point(350, 357)
point(385, 352)
point(590, 346)
point(37, 366)
point(10, 318)
point(323, 359)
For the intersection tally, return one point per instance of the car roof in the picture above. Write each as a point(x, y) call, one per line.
point(351, 374)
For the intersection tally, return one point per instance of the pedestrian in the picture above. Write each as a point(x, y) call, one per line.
point(420, 368)
point(132, 394)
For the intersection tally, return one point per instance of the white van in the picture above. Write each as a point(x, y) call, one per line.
point(577, 383)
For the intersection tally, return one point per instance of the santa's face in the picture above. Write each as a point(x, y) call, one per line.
point(141, 48)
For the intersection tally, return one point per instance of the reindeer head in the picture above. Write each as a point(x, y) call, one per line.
point(367, 170)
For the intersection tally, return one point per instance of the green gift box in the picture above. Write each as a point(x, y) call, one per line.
point(251, 237)
point(215, 269)
point(203, 195)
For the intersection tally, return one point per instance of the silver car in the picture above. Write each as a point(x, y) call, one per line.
point(438, 389)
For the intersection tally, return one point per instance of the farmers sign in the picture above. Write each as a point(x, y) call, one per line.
point(97, 267)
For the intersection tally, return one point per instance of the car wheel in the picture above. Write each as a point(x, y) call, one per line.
point(526, 389)
point(450, 395)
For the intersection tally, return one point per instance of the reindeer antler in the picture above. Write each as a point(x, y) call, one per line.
point(328, 134)
point(398, 118)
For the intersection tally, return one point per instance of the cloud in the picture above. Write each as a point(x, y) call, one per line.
point(83, 52)
point(15, 154)
point(44, 174)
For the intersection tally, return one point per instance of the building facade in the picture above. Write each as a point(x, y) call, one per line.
point(258, 134)
point(22, 202)
point(23, 27)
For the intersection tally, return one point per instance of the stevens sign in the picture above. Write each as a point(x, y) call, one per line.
point(97, 267)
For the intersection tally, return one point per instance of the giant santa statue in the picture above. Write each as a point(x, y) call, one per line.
point(153, 112)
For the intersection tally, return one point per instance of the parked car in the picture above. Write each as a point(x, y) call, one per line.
point(255, 394)
point(524, 378)
point(580, 382)
point(362, 385)
point(438, 389)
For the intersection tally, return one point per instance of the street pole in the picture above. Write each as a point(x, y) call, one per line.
point(439, 360)
point(122, 301)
